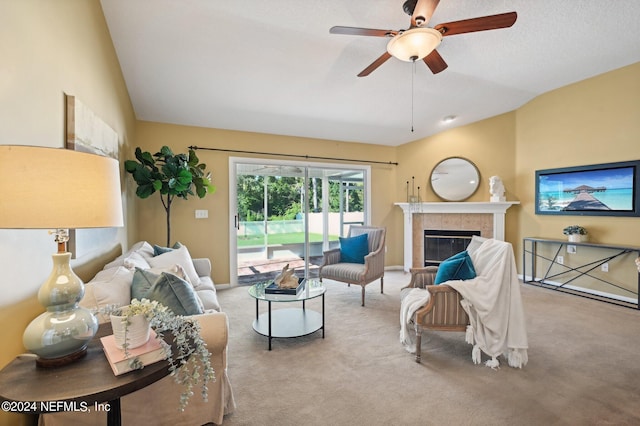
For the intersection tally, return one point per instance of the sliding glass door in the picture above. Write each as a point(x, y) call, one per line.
point(288, 213)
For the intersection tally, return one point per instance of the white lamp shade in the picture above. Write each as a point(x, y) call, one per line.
point(414, 44)
point(51, 188)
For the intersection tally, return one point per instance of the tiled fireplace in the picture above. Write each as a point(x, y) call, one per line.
point(486, 217)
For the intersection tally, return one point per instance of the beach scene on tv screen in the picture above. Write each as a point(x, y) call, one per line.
point(605, 189)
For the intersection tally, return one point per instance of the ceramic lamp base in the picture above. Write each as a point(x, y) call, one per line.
point(64, 328)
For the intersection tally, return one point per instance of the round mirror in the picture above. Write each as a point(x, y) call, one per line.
point(455, 179)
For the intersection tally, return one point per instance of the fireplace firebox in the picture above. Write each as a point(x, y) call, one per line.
point(440, 244)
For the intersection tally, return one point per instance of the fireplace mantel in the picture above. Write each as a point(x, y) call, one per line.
point(497, 209)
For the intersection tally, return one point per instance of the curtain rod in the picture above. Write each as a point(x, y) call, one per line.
point(292, 155)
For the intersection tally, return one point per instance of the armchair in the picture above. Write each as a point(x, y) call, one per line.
point(487, 306)
point(356, 273)
point(443, 312)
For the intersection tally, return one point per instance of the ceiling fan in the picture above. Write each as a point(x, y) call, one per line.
point(419, 42)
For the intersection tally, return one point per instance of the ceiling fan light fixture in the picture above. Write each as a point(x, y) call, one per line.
point(414, 44)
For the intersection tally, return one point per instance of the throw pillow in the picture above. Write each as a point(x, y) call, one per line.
point(142, 247)
point(176, 294)
point(178, 256)
point(354, 249)
point(109, 287)
point(158, 250)
point(135, 260)
point(457, 267)
point(109, 274)
point(142, 281)
point(176, 270)
point(170, 290)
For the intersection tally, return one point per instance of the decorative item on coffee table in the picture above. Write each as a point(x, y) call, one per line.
point(575, 233)
point(285, 282)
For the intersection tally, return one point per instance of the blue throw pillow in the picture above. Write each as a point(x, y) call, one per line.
point(354, 249)
point(158, 250)
point(168, 289)
point(142, 281)
point(457, 267)
point(176, 294)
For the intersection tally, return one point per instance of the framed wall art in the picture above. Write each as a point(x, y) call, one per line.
point(86, 132)
point(610, 189)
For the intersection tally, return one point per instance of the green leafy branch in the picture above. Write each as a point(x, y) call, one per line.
point(172, 175)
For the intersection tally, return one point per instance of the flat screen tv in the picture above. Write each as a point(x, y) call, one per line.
point(595, 190)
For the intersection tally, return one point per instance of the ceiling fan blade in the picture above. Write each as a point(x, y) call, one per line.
point(362, 31)
point(484, 23)
point(435, 62)
point(423, 11)
point(375, 64)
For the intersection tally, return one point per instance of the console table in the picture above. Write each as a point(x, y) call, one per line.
point(87, 384)
point(569, 274)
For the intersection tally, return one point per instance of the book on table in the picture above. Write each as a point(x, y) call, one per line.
point(150, 352)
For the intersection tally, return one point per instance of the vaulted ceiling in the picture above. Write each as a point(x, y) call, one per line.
point(272, 66)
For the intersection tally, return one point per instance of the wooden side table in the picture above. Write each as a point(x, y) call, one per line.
point(86, 385)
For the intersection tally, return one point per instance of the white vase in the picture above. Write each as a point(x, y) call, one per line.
point(577, 238)
point(137, 334)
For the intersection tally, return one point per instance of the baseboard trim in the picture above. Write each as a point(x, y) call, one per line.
point(394, 268)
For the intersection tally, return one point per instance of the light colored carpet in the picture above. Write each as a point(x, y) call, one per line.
point(584, 366)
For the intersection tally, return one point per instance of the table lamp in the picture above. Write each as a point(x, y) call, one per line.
point(51, 188)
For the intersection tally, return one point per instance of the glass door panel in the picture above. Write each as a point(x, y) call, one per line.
point(289, 213)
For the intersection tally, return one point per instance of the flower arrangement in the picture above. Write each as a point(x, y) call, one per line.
point(574, 229)
point(189, 359)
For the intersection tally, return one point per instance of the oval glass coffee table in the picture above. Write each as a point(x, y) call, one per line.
point(288, 322)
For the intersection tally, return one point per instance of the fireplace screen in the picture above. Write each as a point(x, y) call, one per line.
point(441, 244)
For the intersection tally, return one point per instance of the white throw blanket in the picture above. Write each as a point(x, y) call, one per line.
point(494, 305)
point(414, 300)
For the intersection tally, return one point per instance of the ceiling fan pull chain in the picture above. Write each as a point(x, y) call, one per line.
point(413, 72)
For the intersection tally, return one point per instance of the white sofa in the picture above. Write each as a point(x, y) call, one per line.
point(158, 403)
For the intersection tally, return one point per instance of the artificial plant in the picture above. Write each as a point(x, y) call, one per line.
point(574, 229)
point(173, 175)
point(189, 359)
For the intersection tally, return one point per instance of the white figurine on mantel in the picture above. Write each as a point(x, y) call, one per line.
point(496, 189)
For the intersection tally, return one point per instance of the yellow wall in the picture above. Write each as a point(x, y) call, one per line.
point(210, 237)
point(590, 122)
point(489, 144)
point(49, 48)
